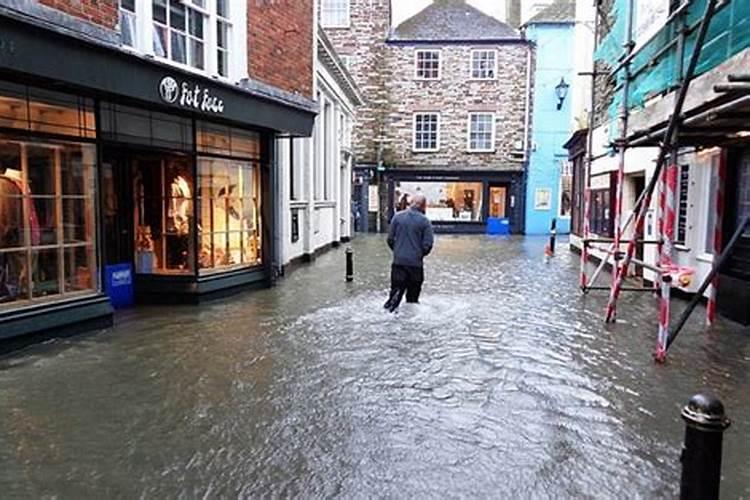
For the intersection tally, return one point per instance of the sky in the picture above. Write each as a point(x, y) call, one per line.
point(404, 9)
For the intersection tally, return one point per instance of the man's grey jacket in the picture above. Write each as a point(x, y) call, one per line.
point(410, 237)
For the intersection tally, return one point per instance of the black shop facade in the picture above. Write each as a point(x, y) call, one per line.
point(126, 179)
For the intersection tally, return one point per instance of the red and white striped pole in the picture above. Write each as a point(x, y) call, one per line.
point(718, 226)
point(665, 314)
point(670, 220)
point(660, 227)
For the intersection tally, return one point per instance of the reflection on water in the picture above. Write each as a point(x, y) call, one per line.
point(503, 382)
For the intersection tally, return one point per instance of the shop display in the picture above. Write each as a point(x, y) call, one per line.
point(447, 201)
point(163, 216)
point(47, 245)
point(229, 204)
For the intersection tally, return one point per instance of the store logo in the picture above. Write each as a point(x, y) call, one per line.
point(122, 278)
point(168, 89)
point(188, 95)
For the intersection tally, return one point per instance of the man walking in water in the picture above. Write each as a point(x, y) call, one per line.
point(410, 238)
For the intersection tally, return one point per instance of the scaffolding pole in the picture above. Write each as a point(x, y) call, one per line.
point(589, 159)
point(669, 143)
point(622, 144)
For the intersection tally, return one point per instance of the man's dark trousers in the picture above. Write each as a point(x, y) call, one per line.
point(404, 279)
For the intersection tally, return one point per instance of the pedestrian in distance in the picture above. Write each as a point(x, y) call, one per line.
point(410, 238)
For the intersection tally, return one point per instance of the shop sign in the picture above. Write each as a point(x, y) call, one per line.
point(189, 95)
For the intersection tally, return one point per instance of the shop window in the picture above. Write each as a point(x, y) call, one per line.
point(47, 221)
point(163, 215)
point(682, 204)
point(40, 110)
point(481, 132)
point(427, 64)
point(446, 201)
point(178, 31)
point(334, 13)
point(601, 220)
point(227, 141)
point(229, 223)
point(483, 64)
point(128, 30)
point(426, 132)
point(566, 189)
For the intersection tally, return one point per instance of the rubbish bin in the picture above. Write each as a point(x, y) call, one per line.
point(118, 283)
point(496, 225)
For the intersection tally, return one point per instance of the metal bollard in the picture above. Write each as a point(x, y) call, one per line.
point(349, 264)
point(705, 423)
point(553, 235)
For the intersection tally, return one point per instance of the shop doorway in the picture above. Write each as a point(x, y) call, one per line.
point(117, 205)
point(147, 211)
point(498, 201)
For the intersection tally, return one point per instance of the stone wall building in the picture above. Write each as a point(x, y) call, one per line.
point(447, 109)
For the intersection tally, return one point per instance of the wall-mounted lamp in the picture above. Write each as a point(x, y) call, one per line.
point(561, 90)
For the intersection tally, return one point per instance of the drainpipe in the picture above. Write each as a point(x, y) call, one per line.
point(526, 138)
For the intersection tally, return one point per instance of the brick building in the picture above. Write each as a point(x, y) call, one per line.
point(138, 150)
point(447, 110)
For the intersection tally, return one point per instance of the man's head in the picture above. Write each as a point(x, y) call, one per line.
point(419, 202)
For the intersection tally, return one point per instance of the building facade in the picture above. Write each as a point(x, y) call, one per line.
point(550, 181)
point(442, 115)
point(711, 160)
point(316, 173)
point(138, 150)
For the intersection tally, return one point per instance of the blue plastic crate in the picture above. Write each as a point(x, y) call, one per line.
point(497, 225)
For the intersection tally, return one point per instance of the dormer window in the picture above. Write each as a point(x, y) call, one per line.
point(483, 64)
point(334, 13)
point(427, 64)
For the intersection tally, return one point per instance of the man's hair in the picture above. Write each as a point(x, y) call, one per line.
point(418, 200)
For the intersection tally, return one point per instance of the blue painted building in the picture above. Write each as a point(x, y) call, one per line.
point(549, 181)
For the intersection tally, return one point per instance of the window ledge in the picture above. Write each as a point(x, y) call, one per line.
point(485, 151)
point(482, 79)
point(681, 248)
point(705, 257)
point(419, 151)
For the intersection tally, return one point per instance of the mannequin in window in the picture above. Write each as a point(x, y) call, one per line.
point(13, 272)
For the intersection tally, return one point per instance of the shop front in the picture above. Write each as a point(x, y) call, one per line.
point(462, 203)
point(141, 177)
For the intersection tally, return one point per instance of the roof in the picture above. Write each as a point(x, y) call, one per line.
point(452, 21)
point(561, 11)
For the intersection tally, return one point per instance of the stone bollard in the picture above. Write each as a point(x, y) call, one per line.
point(705, 423)
point(349, 265)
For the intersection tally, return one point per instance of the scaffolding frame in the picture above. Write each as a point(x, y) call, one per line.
point(663, 179)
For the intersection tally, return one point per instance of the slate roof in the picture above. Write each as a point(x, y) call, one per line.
point(452, 21)
point(561, 11)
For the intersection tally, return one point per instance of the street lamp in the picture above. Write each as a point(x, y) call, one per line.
point(561, 90)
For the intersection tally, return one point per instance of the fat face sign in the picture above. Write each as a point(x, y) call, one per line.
point(190, 96)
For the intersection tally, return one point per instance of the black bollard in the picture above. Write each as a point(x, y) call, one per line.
point(349, 264)
point(705, 423)
point(553, 235)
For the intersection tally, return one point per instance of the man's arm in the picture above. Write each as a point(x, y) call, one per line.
point(392, 233)
point(427, 239)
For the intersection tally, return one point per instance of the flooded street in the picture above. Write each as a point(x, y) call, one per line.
point(503, 383)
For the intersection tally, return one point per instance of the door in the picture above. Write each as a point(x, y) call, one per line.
point(498, 201)
point(639, 185)
point(117, 209)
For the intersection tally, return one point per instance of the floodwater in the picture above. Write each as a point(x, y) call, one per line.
point(503, 383)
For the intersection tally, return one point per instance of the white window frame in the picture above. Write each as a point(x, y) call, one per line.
point(471, 65)
point(237, 26)
point(414, 132)
point(493, 147)
point(439, 53)
point(121, 13)
point(324, 22)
